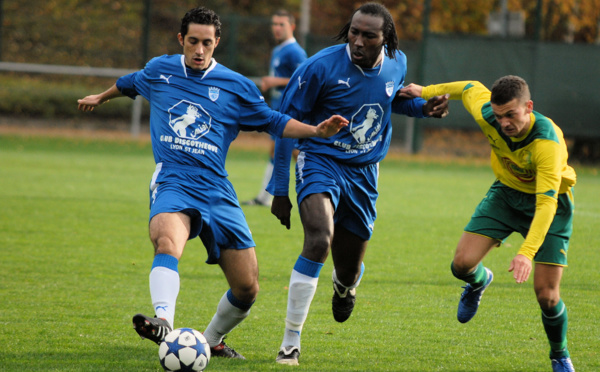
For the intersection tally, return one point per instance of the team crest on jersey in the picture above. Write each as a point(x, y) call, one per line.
point(213, 93)
point(366, 123)
point(189, 120)
point(523, 175)
point(389, 88)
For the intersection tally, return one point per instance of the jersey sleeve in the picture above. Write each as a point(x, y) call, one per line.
point(409, 107)
point(137, 83)
point(255, 113)
point(548, 168)
point(299, 97)
point(279, 185)
point(126, 85)
point(472, 93)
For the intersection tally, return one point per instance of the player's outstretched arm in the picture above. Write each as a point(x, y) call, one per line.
point(411, 91)
point(435, 107)
point(327, 128)
point(90, 102)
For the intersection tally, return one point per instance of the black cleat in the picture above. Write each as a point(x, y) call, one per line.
point(342, 302)
point(224, 351)
point(154, 329)
point(288, 355)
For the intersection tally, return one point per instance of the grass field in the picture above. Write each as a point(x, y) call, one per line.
point(76, 257)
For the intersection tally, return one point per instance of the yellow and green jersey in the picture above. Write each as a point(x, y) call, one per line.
point(535, 163)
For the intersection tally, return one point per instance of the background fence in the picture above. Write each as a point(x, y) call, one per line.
point(50, 59)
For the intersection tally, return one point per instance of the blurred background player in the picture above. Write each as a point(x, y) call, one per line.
point(532, 195)
point(285, 58)
point(190, 194)
point(336, 179)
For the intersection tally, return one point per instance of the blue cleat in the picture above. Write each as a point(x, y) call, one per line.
point(563, 364)
point(470, 299)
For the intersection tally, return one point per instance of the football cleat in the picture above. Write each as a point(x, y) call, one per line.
point(224, 351)
point(470, 299)
point(563, 364)
point(342, 302)
point(154, 329)
point(288, 355)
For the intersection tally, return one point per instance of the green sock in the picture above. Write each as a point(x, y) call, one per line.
point(555, 323)
point(476, 277)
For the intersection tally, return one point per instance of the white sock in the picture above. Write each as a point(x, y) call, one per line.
point(227, 317)
point(164, 287)
point(263, 196)
point(301, 293)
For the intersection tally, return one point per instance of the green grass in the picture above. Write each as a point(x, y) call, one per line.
point(75, 259)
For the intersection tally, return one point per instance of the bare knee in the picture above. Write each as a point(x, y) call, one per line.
point(164, 245)
point(462, 265)
point(317, 240)
point(316, 246)
point(316, 213)
point(470, 251)
point(241, 270)
point(246, 292)
point(547, 297)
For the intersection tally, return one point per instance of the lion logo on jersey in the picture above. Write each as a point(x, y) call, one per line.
point(366, 123)
point(191, 124)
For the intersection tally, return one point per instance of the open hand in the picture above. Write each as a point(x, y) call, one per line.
point(89, 103)
point(331, 126)
point(410, 91)
point(520, 266)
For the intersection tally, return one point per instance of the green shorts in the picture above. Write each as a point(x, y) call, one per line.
point(505, 210)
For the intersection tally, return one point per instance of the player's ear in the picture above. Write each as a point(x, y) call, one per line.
point(180, 38)
point(529, 106)
point(217, 41)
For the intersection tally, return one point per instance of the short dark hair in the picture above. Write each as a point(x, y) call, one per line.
point(285, 13)
point(390, 38)
point(201, 16)
point(508, 88)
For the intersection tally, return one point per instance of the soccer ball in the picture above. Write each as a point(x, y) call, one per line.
point(184, 349)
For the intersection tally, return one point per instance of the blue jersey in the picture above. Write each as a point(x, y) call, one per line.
point(329, 83)
point(285, 59)
point(195, 115)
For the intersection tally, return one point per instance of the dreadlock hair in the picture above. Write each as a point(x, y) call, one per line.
point(390, 38)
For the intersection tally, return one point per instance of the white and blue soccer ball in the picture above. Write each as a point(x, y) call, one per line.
point(184, 349)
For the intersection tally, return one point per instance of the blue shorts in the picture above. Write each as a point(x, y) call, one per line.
point(353, 190)
point(209, 200)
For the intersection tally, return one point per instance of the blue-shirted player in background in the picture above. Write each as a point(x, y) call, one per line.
point(197, 108)
point(285, 58)
point(336, 178)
